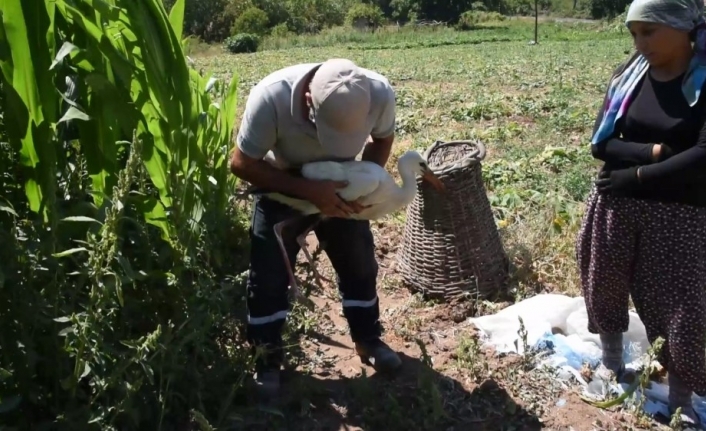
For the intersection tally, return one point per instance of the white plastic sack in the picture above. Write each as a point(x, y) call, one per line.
point(560, 323)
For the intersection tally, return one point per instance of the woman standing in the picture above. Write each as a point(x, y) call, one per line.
point(644, 233)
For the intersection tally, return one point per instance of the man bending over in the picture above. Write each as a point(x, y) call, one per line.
point(299, 114)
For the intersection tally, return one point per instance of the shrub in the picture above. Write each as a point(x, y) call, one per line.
point(365, 15)
point(209, 20)
point(252, 21)
point(242, 43)
point(470, 19)
point(609, 9)
point(280, 30)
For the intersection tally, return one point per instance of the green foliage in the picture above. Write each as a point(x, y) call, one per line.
point(451, 11)
point(527, 184)
point(242, 43)
point(213, 20)
point(430, 10)
point(312, 16)
point(617, 24)
point(253, 21)
point(411, 37)
point(608, 8)
point(209, 20)
point(3, 132)
point(119, 241)
point(470, 19)
point(364, 15)
point(404, 10)
point(280, 30)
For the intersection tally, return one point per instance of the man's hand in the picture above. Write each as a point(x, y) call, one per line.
point(324, 195)
point(618, 182)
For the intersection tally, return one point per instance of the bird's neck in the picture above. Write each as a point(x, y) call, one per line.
point(409, 186)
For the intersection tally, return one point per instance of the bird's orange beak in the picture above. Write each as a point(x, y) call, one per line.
point(433, 180)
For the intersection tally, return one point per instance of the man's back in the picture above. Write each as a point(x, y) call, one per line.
point(275, 124)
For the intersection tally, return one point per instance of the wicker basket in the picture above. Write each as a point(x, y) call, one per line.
point(451, 246)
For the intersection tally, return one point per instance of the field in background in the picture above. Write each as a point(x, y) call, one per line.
point(533, 107)
point(511, 29)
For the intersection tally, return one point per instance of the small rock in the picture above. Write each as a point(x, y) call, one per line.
point(561, 403)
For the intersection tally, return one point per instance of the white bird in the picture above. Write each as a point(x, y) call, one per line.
point(368, 183)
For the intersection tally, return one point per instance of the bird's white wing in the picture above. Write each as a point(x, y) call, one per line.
point(305, 207)
point(363, 177)
point(324, 171)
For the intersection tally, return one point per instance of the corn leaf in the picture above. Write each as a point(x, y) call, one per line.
point(176, 17)
point(32, 104)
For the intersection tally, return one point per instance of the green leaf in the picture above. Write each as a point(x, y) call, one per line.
point(81, 219)
point(4, 374)
point(66, 49)
point(31, 102)
point(86, 370)
point(8, 209)
point(271, 410)
point(66, 331)
point(176, 17)
point(74, 113)
point(69, 252)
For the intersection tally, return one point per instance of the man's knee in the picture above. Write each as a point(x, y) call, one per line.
point(267, 278)
point(351, 246)
point(268, 269)
point(264, 281)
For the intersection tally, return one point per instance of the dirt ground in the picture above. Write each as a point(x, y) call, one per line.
point(448, 381)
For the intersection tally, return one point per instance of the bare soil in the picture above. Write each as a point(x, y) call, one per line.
point(448, 380)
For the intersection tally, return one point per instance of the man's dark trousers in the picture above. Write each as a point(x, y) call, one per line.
point(350, 247)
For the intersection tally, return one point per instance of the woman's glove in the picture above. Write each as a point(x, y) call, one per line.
point(619, 182)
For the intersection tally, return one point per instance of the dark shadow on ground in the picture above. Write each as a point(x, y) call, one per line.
point(417, 398)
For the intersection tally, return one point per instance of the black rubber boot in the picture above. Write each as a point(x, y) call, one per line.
point(378, 355)
point(267, 374)
point(267, 384)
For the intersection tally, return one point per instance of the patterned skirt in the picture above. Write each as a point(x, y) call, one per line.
point(654, 253)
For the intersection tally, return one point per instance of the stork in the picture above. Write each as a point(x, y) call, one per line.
point(368, 183)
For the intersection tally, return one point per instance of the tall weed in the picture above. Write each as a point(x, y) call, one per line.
point(121, 246)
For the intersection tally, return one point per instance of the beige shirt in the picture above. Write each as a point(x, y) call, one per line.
point(274, 125)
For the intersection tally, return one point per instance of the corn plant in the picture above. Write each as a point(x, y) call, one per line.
point(128, 60)
point(114, 205)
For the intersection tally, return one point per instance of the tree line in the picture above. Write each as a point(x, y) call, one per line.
point(216, 20)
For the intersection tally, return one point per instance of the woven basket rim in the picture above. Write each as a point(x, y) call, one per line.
point(475, 157)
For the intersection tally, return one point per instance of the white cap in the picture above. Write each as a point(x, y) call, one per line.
point(340, 94)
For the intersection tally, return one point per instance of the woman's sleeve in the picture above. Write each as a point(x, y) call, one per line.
point(680, 168)
point(616, 150)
